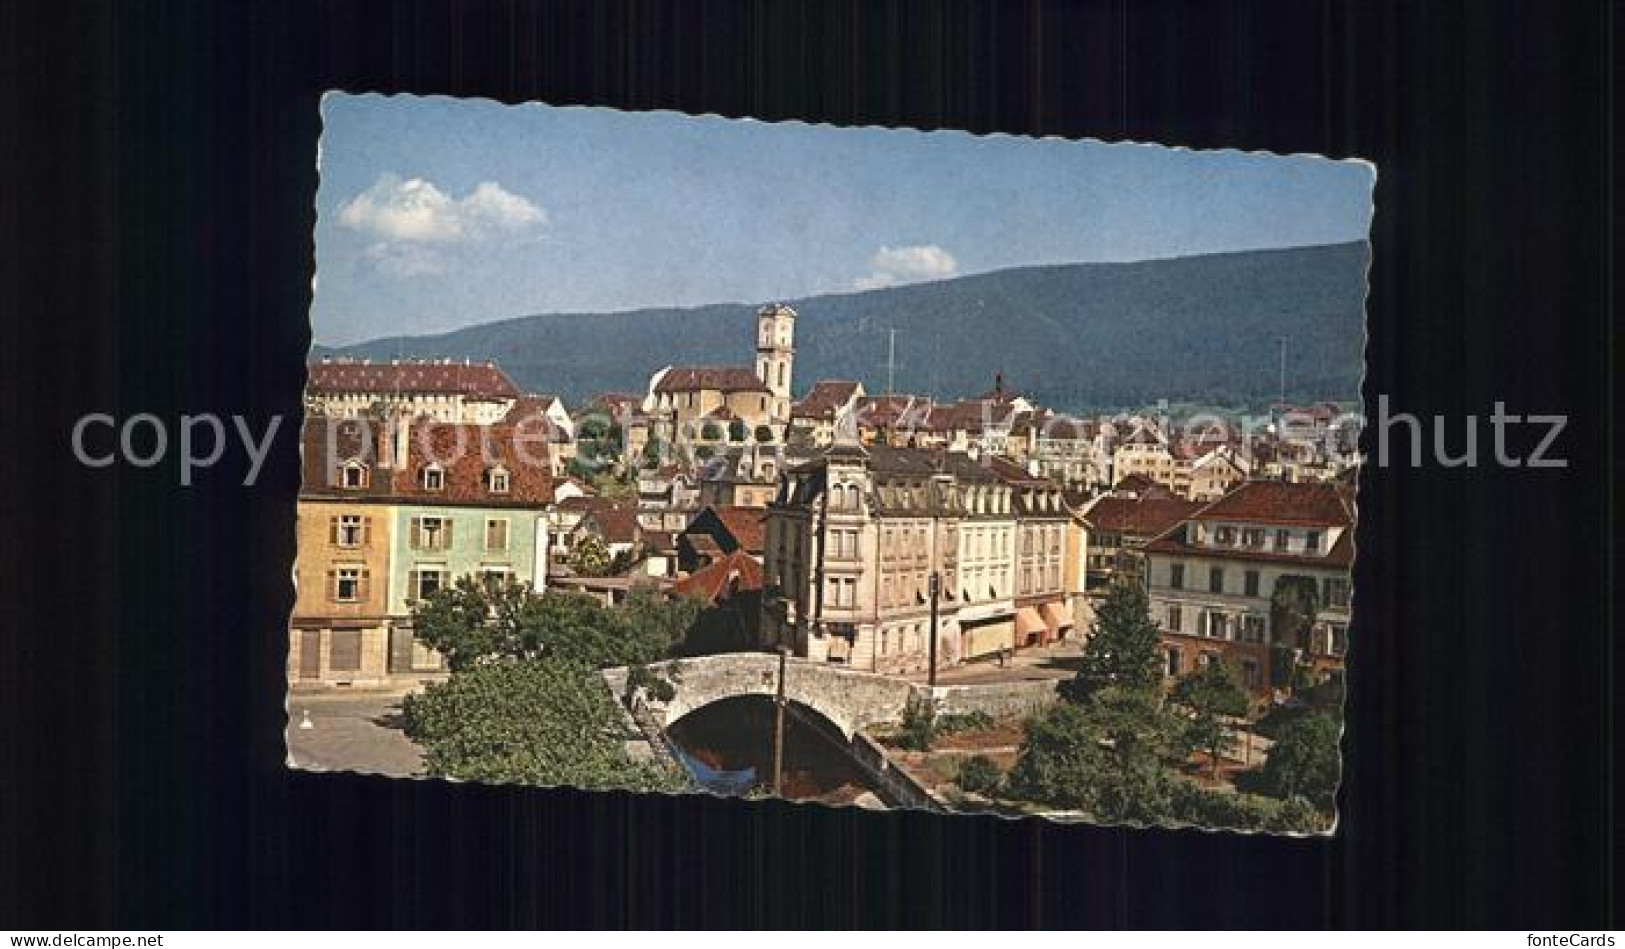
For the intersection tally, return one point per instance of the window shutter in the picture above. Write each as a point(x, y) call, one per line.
point(363, 586)
point(366, 532)
point(417, 533)
point(333, 585)
point(445, 528)
point(333, 530)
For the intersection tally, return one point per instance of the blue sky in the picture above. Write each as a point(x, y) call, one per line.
point(435, 213)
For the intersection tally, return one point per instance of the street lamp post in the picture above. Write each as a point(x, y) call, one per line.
point(778, 727)
point(935, 588)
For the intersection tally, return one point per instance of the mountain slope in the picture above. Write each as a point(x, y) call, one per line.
point(1076, 336)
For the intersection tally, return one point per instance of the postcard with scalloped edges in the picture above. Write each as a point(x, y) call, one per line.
point(856, 466)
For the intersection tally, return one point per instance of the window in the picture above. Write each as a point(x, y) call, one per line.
point(1218, 626)
point(496, 534)
point(1176, 576)
point(1176, 618)
point(1215, 579)
point(1252, 629)
point(1252, 537)
point(431, 533)
point(1173, 663)
point(432, 478)
point(1311, 542)
point(1251, 676)
point(1252, 582)
point(494, 577)
point(1281, 537)
point(1337, 592)
point(497, 480)
point(1339, 638)
point(1224, 535)
point(355, 475)
point(349, 530)
point(347, 584)
point(426, 581)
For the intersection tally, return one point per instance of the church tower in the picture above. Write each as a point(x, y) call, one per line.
point(775, 354)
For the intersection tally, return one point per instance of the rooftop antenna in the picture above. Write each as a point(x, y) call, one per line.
point(891, 359)
point(1281, 344)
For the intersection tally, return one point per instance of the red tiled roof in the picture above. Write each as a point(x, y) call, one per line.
point(466, 453)
point(1141, 517)
point(971, 415)
point(824, 399)
point(719, 378)
point(529, 416)
point(1281, 502)
point(476, 380)
point(351, 440)
point(616, 525)
point(738, 572)
point(1340, 556)
point(745, 523)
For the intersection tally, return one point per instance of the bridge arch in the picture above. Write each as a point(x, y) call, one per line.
point(847, 699)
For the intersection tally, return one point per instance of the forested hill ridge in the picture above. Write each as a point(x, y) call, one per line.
point(1073, 336)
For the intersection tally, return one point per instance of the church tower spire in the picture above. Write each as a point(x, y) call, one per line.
point(775, 355)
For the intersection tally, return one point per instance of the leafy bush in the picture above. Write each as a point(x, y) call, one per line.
point(1306, 760)
point(538, 721)
point(979, 775)
point(919, 727)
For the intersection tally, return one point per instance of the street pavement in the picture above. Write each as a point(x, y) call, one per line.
point(1055, 661)
point(351, 731)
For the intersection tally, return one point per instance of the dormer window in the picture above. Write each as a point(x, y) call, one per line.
point(432, 478)
point(497, 480)
point(354, 475)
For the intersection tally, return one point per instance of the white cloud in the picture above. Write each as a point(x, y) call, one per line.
point(913, 264)
point(407, 216)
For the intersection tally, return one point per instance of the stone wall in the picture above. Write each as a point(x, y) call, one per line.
point(1003, 699)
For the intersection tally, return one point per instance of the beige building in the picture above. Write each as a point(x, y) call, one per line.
point(860, 538)
point(1145, 452)
point(719, 405)
point(1212, 580)
point(444, 390)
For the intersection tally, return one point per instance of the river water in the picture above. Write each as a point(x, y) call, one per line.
point(737, 733)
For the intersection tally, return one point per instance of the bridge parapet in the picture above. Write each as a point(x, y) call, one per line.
point(850, 700)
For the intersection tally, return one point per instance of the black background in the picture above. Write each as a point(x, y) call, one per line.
point(157, 207)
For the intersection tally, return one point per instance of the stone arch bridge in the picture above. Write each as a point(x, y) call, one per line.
point(848, 699)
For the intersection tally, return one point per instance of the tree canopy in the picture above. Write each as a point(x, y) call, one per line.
point(1211, 693)
point(1306, 760)
point(1123, 648)
point(537, 721)
point(470, 623)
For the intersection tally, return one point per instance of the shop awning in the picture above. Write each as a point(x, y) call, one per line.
point(1028, 621)
point(1058, 616)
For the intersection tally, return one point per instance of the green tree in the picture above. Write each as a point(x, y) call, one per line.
point(589, 557)
point(593, 428)
point(1123, 648)
point(710, 432)
point(1293, 605)
point(1306, 760)
point(979, 775)
point(540, 721)
point(1211, 694)
point(472, 626)
point(1060, 758)
point(919, 726)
